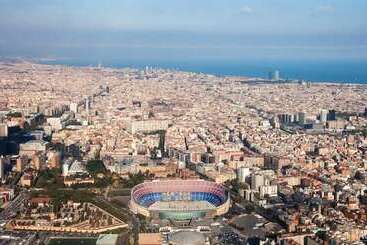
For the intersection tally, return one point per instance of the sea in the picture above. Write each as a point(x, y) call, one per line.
point(335, 70)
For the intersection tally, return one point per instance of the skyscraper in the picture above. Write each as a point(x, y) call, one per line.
point(274, 75)
point(2, 167)
point(331, 115)
point(87, 104)
point(302, 118)
point(74, 107)
point(323, 115)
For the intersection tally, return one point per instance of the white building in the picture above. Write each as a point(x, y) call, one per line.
point(323, 115)
point(257, 180)
point(147, 126)
point(65, 169)
point(77, 168)
point(242, 173)
point(270, 190)
point(58, 123)
point(274, 76)
point(74, 107)
point(31, 147)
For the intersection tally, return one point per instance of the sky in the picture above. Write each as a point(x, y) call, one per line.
point(184, 29)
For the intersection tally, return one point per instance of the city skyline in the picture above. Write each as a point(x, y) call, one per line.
point(206, 122)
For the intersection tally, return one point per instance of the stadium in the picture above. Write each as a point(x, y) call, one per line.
point(179, 199)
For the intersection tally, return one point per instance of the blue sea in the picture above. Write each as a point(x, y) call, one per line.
point(340, 71)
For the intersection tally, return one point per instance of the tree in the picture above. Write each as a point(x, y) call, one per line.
point(364, 132)
point(95, 167)
point(134, 179)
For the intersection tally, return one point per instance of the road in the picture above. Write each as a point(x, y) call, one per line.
point(13, 207)
point(133, 222)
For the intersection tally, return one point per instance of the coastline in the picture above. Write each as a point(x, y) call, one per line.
point(184, 67)
point(237, 69)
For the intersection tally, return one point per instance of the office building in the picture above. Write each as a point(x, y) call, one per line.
point(331, 115)
point(286, 118)
point(323, 116)
point(58, 123)
point(87, 104)
point(242, 173)
point(296, 117)
point(74, 107)
point(257, 180)
point(268, 190)
point(302, 118)
point(274, 75)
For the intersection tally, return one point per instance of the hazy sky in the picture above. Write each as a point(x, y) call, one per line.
point(184, 29)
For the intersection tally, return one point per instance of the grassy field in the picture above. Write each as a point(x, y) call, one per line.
point(120, 192)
